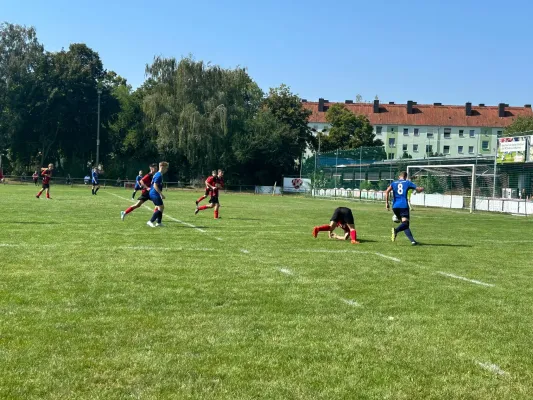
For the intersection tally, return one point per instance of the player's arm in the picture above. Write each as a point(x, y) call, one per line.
point(208, 185)
point(158, 190)
point(387, 194)
point(418, 189)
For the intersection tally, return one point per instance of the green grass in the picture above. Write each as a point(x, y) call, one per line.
point(90, 308)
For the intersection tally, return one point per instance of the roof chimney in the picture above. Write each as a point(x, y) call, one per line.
point(348, 102)
point(410, 107)
point(391, 103)
point(376, 106)
point(304, 100)
point(482, 104)
point(468, 108)
point(501, 110)
point(437, 104)
point(321, 105)
point(527, 106)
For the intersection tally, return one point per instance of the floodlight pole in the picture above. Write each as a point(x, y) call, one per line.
point(98, 132)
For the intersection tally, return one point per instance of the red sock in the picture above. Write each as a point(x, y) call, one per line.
point(202, 208)
point(323, 228)
point(47, 195)
point(353, 234)
point(155, 209)
point(216, 213)
point(130, 209)
point(201, 198)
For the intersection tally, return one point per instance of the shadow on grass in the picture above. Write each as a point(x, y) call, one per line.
point(444, 245)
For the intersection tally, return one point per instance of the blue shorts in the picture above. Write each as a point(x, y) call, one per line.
point(401, 212)
point(95, 183)
point(156, 199)
point(137, 187)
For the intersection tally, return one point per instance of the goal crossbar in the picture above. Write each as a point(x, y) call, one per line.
point(452, 167)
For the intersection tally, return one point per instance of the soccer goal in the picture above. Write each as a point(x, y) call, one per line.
point(447, 186)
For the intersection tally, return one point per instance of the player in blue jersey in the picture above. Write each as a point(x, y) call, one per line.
point(156, 195)
point(400, 205)
point(137, 184)
point(95, 181)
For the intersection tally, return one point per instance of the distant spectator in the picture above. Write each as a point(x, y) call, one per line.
point(118, 182)
point(68, 179)
point(87, 179)
point(1, 177)
point(35, 178)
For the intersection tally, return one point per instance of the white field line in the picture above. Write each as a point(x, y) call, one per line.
point(332, 251)
point(245, 251)
point(351, 302)
point(286, 271)
point(36, 245)
point(220, 239)
point(465, 279)
point(164, 214)
point(149, 248)
point(492, 368)
point(388, 257)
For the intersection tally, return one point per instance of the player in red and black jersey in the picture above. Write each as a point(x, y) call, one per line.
point(213, 201)
point(343, 218)
point(145, 183)
point(46, 173)
point(209, 186)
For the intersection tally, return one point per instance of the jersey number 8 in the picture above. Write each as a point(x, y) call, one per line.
point(400, 188)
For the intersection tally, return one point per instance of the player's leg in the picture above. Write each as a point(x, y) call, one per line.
point(353, 233)
point(398, 213)
point(133, 194)
point(40, 192)
point(201, 198)
point(97, 188)
point(217, 206)
point(48, 192)
point(324, 228)
point(158, 211)
point(160, 215)
point(201, 208)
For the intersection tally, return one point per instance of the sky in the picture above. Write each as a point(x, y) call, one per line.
point(427, 51)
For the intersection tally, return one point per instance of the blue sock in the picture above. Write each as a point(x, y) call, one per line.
point(409, 235)
point(402, 227)
point(154, 217)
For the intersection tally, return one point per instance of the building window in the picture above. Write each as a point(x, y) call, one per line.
point(392, 142)
point(406, 131)
point(499, 133)
point(391, 130)
point(446, 149)
point(470, 149)
point(430, 133)
point(461, 133)
point(447, 133)
point(460, 149)
point(472, 133)
point(429, 148)
point(404, 147)
point(378, 130)
point(415, 147)
point(485, 145)
point(390, 156)
point(416, 132)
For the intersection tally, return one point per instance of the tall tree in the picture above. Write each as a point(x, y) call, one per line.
point(519, 125)
point(348, 130)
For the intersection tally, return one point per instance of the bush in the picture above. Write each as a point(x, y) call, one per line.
point(366, 185)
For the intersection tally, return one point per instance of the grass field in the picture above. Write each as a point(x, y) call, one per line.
point(251, 306)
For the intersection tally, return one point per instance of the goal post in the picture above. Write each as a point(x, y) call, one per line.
point(446, 185)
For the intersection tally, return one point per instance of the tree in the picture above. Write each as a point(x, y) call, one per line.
point(348, 130)
point(519, 125)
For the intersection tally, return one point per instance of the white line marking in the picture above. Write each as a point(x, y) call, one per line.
point(165, 248)
point(286, 271)
point(245, 251)
point(465, 279)
point(351, 302)
point(220, 239)
point(492, 368)
point(388, 257)
point(9, 245)
point(164, 214)
point(330, 251)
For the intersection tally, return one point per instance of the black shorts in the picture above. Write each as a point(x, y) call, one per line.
point(144, 197)
point(343, 215)
point(214, 200)
point(401, 212)
point(207, 191)
point(96, 183)
point(46, 186)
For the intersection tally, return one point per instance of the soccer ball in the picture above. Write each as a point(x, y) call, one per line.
point(395, 218)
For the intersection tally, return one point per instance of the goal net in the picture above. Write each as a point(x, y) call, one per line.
point(447, 186)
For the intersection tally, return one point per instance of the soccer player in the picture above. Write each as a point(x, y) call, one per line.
point(95, 182)
point(1, 176)
point(400, 206)
point(213, 201)
point(137, 184)
point(46, 173)
point(144, 183)
point(209, 186)
point(342, 217)
point(157, 196)
point(35, 178)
